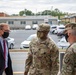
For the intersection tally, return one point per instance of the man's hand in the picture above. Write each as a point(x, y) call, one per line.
point(25, 73)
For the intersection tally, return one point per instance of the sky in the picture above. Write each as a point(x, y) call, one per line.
point(15, 6)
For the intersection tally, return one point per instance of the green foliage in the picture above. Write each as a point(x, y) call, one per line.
point(14, 15)
point(55, 12)
point(25, 12)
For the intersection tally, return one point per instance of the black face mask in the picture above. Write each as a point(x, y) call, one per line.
point(5, 35)
point(66, 37)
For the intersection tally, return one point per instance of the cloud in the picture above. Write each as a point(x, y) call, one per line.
point(14, 6)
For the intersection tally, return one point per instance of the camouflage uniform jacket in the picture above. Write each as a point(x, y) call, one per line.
point(69, 61)
point(42, 58)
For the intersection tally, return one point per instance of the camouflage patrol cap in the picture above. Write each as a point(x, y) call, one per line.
point(69, 26)
point(43, 27)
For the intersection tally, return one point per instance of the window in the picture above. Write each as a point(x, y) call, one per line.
point(50, 22)
point(23, 22)
point(34, 22)
point(61, 27)
point(10, 22)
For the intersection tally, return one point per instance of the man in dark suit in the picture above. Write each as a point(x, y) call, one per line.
point(5, 60)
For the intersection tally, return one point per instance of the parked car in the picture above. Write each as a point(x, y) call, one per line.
point(25, 43)
point(63, 43)
point(61, 33)
point(60, 29)
point(53, 28)
point(27, 27)
point(35, 26)
point(11, 42)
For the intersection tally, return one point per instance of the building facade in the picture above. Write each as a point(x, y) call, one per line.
point(3, 14)
point(69, 19)
point(19, 22)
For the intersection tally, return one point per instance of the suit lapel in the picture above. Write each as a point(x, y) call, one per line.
point(1, 50)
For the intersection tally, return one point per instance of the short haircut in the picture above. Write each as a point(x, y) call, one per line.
point(71, 25)
point(2, 25)
point(74, 32)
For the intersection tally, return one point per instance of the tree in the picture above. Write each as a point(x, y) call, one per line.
point(14, 15)
point(21, 13)
point(25, 12)
point(55, 12)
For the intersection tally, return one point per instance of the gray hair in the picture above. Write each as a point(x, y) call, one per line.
point(74, 32)
point(1, 26)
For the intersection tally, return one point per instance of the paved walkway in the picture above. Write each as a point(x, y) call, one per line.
point(18, 61)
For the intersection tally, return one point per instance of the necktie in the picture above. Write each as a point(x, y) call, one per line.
point(4, 45)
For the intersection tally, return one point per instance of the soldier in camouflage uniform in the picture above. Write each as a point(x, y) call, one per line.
point(69, 60)
point(43, 54)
